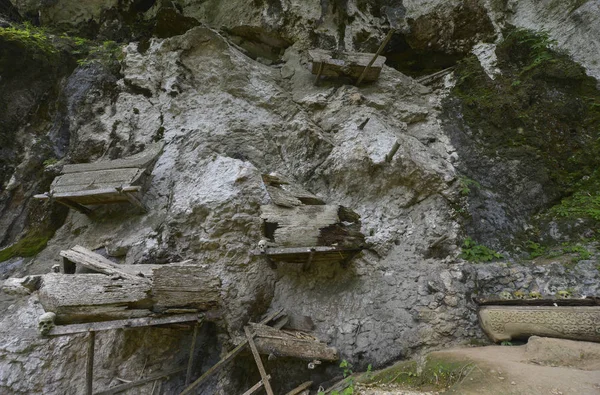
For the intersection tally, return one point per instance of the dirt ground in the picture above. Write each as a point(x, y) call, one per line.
point(542, 366)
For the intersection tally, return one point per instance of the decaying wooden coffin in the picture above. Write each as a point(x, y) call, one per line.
point(104, 182)
point(293, 344)
point(345, 64)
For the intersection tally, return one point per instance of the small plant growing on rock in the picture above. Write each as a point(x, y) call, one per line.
point(473, 252)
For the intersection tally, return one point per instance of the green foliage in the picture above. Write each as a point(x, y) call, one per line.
point(584, 203)
point(535, 45)
point(29, 37)
point(581, 252)
point(30, 245)
point(466, 184)
point(106, 52)
point(50, 162)
point(535, 249)
point(506, 343)
point(349, 379)
point(473, 252)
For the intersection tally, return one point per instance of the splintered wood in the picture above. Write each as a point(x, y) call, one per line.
point(287, 194)
point(84, 257)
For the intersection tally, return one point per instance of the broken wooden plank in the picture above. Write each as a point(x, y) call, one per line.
point(282, 344)
point(227, 358)
point(188, 374)
point(143, 159)
point(88, 193)
point(349, 64)
point(89, 259)
point(379, 50)
point(76, 206)
point(299, 389)
point(185, 286)
point(258, 361)
point(61, 330)
point(137, 383)
point(428, 78)
point(285, 193)
point(94, 297)
point(256, 387)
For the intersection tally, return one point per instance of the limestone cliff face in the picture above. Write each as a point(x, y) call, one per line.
point(233, 99)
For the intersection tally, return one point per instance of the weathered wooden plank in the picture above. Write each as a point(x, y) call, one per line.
point(95, 179)
point(94, 297)
point(336, 64)
point(321, 254)
point(188, 374)
point(259, 364)
point(89, 367)
point(61, 330)
point(287, 194)
point(185, 285)
point(84, 257)
point(304, 386)
point(76, 206)
point(143, 159)
point(227, 358)
point(137, 383)
point(90, 193)
point(256, 386)
point(279, 343)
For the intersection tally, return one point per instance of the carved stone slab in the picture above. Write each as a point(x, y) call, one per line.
point(504, 323)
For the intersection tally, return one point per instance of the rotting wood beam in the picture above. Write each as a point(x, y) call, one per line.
point(256, 387)
point(188, 375)
point(137, 383)
point(76, 206)
point(89, 368)
point(304, 386)
point(120, 324)
point(135, 201)
point(227, 357)
point(379, 51)
point(319, 71)
point(259, 364)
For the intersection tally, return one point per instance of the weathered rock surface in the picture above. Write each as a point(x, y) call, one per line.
point(226, 119)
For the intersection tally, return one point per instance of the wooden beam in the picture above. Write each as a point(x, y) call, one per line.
point(133, 384)
point(133, 199)
point(227, 358)
point(258, 361)
point(188, 375)
point(82, 256)
point(381, 48)
point(89, 369)
point(140, 160)
point(390, 155)
point(300, 388)
point(256, 387)
point(91, 192)
point(61, 330)
point(321, 66)
point(306, 265)
point(76, 206)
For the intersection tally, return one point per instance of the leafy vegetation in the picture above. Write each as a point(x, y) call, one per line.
point(348, 379)
point(30, 37)
point(471, 251)
point(466, 184)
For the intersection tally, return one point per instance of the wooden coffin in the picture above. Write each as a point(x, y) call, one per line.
point(185, 286)
point(504, 323)
point(345, 64)
point(94, 297)
point(104, 182)
point(291, 344)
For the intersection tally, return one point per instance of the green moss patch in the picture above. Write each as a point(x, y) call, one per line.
point(28, 246)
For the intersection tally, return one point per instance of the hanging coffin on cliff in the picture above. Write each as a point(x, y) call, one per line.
point(104, 182)
point(345, 64)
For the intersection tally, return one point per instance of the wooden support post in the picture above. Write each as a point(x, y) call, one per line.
point(306, 264)
point(321, 66)
point(258, 361)
point(390, 155)
point(255, 387)
point(76, 206)
point(226, 358)
point(188, 375)
point(379, 51)
point(302, 387)
point(89, 369)
point(133, 199)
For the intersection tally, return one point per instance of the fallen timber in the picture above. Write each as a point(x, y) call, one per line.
point(346, 64)
point(104, 182)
